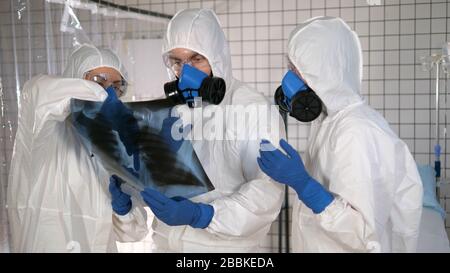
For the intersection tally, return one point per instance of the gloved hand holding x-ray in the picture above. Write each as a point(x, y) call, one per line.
point(142, 144)
point(289, 169)
point(118, 117)
point(166, 133)
point(178, 211)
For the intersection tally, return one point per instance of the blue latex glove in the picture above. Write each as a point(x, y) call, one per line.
point(121, 202)
point(121, 119)
point(178, 211)
point(290, 170)
point(166, 133)
point(132, 172)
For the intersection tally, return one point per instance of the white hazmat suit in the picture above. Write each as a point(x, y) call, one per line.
point(245, 200)
point(353, 152)
point(58, 199)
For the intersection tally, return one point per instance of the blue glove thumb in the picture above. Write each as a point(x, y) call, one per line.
point(120, 201)
point(291, 152)
point(111, 93)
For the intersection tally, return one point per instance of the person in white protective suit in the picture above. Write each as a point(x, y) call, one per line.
point(237, 215)
point(359, 189)
point(58, 198)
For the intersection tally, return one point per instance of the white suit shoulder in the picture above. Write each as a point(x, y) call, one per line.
point(364, 124)
point(244, 94)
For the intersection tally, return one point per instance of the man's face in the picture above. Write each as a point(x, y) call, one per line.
point(107, 76)
point(180, 56)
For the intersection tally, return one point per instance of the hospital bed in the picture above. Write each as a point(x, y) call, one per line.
point(432, 234)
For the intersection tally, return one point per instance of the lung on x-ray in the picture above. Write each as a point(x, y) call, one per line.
point(172, 168)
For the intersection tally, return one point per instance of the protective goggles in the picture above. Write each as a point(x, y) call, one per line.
point(197, 60)
point(104, 80)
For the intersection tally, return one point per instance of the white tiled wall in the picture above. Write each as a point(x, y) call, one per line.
point(393, 36)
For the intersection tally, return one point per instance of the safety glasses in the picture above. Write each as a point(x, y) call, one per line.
point(104, 80)
point(196, 60)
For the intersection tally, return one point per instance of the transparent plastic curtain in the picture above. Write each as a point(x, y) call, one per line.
point(36, 37)
point(20, 56)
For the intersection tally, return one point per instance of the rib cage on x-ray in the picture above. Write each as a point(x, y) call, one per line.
point(174, 173)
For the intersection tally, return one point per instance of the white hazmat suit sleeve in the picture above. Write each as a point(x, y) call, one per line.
point(50, 97)
point(353, 220)
point(257, 203)
point(132, 226)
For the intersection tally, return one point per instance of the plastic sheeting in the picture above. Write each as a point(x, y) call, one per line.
point(36, 38)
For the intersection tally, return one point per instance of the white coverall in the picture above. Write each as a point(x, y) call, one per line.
point(245, 200)
point(353, 152)
point(58, 199)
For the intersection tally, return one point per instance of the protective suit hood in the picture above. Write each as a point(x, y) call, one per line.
point(199, 30)
point(88, 57)
point(328, 55)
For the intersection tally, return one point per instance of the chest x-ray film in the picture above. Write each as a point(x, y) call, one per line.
point(171, 168)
